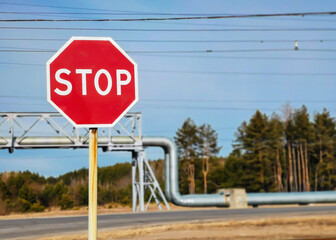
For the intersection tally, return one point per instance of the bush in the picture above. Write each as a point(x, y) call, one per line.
point(83, 195)
point(23, 205)
point(65, 202)
point(27, 194)
point(3, 207)
point(36, 207)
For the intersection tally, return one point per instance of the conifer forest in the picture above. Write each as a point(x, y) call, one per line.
point(290, 152)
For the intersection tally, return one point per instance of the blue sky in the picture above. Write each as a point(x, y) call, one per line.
point(220, 88)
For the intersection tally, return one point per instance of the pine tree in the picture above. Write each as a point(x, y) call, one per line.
point(207, 147)
point(251, 139)
point(291, 163)
point(274, 151)
point(324, 154)
point(234, 168)
point(303, 129)
point(187, 141)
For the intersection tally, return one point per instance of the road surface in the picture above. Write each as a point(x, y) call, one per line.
point(33, 227)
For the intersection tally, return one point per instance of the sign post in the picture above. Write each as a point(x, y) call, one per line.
point(93, 169)
point(93, 83)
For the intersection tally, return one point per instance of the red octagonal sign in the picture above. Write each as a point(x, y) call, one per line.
point(92, 82)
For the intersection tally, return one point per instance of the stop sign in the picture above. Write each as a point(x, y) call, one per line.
point(92, 82)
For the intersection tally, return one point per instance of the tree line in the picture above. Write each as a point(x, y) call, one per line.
point(289, 153)
point(30, 192)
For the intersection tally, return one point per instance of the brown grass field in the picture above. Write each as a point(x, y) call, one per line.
point(320, 227)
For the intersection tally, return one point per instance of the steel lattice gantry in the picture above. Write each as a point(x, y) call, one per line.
point(52, 130)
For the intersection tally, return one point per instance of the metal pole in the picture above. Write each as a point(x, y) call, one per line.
point(93, 184)
point(141, 182)
point(134, 182)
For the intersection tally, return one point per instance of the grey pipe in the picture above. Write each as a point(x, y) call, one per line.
point(171, 174)
point(255, 199)
point(157, 142)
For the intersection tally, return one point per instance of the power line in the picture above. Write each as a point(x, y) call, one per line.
point(149, 13)
point(231, 51)
point(183, 40)
point(20, 48)
point(155, 52)
point(172, 18)
point(174, 131)
point(200, 108)
point(176, 107)
point(25, 104)
point(196, 100)
point(240, 25)
point(236, 100)
point(212, 51)
point(209, 51)
point(51, 6)
point(206, 72)
point(171, 23)
point(161, 107)
point(124, 12)
point(109, 12)
point(239, 73)
point(235, 57)
point(35, 39)
point(73, 8)
point(28, 51)
point(137, 12)
point(23, 97)
point(314, 19)
point(172, 29)
point(205, 57)
point(24, 64)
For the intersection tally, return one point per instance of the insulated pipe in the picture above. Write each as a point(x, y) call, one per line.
point(157, 142)
point(255, 199)
point(171, 173)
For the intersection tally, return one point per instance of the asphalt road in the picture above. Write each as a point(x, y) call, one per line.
point(32, 227)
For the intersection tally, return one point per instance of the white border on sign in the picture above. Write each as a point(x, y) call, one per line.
point(95, 39)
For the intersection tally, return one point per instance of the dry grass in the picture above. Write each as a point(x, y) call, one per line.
point(56, 212)
point(318, 227)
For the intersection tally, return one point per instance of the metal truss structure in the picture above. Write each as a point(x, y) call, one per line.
point(45, 128)
point(148, 182)
point(52, 130)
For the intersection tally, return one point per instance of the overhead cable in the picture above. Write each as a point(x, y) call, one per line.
point(172, 18)
point(239, 73)
point(171, 29)
point(194, 100)
point(179, 51)
point(208, 72)
point(183, 40)
point(236, 57)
